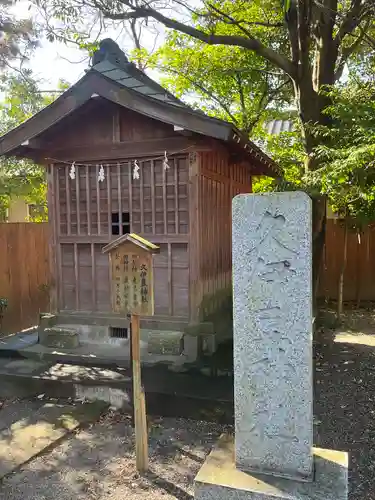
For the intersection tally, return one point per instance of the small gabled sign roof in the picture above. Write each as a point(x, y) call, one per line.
point(136, 240)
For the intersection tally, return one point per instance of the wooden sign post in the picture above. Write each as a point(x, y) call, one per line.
point(132, 292)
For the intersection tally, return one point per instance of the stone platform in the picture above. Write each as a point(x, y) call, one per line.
point(167, 394)
point(219, 479)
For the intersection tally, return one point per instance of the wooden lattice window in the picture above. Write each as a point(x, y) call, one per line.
point(120, 223)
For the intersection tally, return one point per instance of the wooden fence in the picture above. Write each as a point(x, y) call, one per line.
point(24, 273)
point(359, 277)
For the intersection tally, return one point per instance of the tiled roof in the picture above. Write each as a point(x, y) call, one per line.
point(275, 127)
point(132, 78)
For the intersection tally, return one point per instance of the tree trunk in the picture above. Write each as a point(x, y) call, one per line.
point(340, 297)
point(318, 242)
point(311, 105)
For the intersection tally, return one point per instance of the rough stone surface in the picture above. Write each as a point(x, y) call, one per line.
point(165, 343)
point(191, 346)
point(219, 479)
point(62, 338)
point(47, 320)
point(272, 309)
point(117, 398)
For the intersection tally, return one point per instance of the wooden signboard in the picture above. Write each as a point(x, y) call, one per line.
point(132, 287)
point(132, 292)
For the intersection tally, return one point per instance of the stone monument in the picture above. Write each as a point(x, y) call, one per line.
point(272, 455)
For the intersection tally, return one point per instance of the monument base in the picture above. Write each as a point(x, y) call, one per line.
point(219, 479)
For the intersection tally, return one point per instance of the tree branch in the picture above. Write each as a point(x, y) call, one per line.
point(250, 43)
point(291, 23)
point(240, 22)
point(351, 20)
point(241, 94)
point(204, 90)
point(348, 51)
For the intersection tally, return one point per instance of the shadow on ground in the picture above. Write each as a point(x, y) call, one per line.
point(345, 403)
point(99, 463)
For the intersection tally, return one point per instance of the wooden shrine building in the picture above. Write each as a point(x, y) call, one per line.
point(124, 155)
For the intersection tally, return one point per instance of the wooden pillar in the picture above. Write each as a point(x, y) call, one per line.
point(53, 260)
point(132, 292)
point(194, 239)
point(139, 402)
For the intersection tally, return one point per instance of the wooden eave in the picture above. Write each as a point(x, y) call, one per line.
point(17, 141)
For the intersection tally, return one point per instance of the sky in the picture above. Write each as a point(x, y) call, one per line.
point(54, 61)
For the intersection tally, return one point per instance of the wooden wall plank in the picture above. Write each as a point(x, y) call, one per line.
point(99, 222)
point(78, 202)
point(103, 239)
point(142, 165)
point(119, 197)
point(130, 177)
point(57, 225)
point(27, 292)
point(170, 283)
point(57, 200)
point(176, 204)
point(109, 201)
point(88, 200)
point(194, 237)
point(52, 238)
point(27, 287)
point(76, 276)
point(68, 200)
point(219, 182)
point(94, 282)
point(116, 126)
point(165, 220)
point(153, 208)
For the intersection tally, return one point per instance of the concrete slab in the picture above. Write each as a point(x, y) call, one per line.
point(219, 479)
point(30, 428)
point(27, 378)
point(59, 338)
point(23, 366)
point(19, 341)
point(96, 355)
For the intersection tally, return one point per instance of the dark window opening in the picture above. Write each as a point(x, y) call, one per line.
point(118, 333)
point(125, 222)
point(120, 225)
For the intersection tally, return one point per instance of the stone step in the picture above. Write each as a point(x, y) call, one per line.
point(119, 321)
point(168, 395)
point(61, 338)
point(26, 378)
point(29, 378)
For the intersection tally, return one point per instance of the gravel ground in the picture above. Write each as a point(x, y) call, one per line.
point(345, 407)
point(99, 464)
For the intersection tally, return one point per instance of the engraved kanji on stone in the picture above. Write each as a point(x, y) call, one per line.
point(274, 260)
